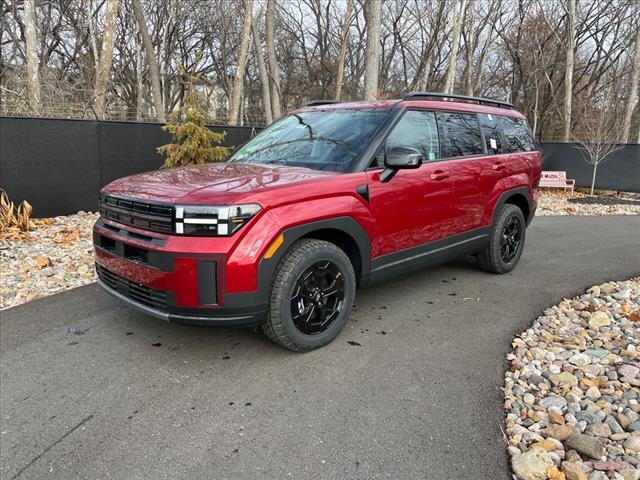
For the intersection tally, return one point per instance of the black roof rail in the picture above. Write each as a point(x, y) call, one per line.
point(453, 97)
point(314, 103)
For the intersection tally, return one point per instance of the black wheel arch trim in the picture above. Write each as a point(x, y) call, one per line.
point(506, 195)
point(345, 224)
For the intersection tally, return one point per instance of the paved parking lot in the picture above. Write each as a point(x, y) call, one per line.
point(410, 390)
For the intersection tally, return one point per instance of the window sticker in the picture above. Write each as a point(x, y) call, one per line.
point(493, 144)
point(432, 156)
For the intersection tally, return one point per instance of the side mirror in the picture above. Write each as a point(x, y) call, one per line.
point(397, 158)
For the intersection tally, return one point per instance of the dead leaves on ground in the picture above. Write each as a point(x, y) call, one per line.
point(67, 235)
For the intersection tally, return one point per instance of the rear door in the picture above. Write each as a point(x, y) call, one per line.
point(415, 206)
point(475, 170)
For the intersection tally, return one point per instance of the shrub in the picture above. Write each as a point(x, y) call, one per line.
point(192, 142)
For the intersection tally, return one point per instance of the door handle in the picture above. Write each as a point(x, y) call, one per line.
point(439, 175)
point(499, 166)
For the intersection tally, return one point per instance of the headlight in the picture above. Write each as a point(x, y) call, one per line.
point(213, 221)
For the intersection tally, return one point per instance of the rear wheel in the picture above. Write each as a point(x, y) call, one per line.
point(311, 296)
point(506, 241)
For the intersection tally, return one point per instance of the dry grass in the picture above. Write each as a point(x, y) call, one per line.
point(15, 222)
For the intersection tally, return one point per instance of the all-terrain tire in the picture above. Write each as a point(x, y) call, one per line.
point(491, 259)
point(279, 325)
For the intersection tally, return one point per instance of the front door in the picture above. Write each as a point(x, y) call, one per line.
point(415, 206)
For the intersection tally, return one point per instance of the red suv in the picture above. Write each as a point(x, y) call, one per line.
point(328, 199)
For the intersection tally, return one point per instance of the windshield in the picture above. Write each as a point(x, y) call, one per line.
point(321, 140)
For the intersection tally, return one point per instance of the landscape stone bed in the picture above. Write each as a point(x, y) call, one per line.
point(58, 254)
point(572, 389)
point(55, 256)
point(558, 202)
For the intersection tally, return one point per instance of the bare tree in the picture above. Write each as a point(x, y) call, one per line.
point(568, 68)
point(106, 57)
point(311, 51)
point(238, 81)
point(455, 41)
point(372, 14)
point(344, 44)
point(154, 71)
point(632, 97)
point(598, 140)
point(87, 5)
point(273, 61)
point(33, 76)
point(264, 75)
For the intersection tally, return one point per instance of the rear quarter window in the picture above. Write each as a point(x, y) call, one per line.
point(518, 137)
point(463, 134)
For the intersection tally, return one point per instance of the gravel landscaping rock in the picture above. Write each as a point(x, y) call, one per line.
point(553, 202)
point(55, 256)
point(588, 348)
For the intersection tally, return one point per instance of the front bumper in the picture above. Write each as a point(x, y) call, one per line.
point(215, 320)
point(153, 276)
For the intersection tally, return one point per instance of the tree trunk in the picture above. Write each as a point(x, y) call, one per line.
point(455, 41)
point(477, 83)
point(568, 71)
point(33, 77)
point(344, 44)
point(106, 57)
point(238, 81)
point(92, 31)
point(469, 73)
point(633, 91)
point(593, 179)
point(470, 46)
point(264, 76)
point(372, 15)
point(139, 84)
point(154, 71)
point(424, 81)
point(273, 61)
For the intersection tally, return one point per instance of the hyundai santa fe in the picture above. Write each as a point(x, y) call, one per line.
point(329, 199)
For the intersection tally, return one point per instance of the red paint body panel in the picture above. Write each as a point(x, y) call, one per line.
point(412, 208)
point(433, 202)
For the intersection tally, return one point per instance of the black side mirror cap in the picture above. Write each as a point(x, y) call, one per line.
point(397, 158)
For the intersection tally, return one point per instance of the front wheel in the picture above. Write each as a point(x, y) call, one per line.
point(506, 241)
point(312, 295)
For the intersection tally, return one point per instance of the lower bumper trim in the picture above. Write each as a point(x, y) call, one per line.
point(250, 319)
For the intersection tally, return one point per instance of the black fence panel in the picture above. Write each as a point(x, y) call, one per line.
point(54, 165)
point(620, 172)
point(60, 165)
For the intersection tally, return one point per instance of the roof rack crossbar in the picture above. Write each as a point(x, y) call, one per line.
point(454, 97)
point(314, 103)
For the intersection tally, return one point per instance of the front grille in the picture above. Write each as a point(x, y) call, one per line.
point(147, 216)
point(148, 296)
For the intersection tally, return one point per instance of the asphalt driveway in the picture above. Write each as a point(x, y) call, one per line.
point(410, 390)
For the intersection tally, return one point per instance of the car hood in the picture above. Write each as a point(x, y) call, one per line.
point(219, 183)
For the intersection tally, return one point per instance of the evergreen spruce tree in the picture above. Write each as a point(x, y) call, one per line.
point(191, 141)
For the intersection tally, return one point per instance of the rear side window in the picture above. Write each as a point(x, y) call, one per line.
point(417, 129)
point(517, 135)
point(492, 135)
point(463, 134)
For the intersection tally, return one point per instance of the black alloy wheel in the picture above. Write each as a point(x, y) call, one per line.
point(318, 297)
point(506, 241)
point(311, 297)
point(511, 238)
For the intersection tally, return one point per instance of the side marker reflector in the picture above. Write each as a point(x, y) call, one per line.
point(274, 246)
